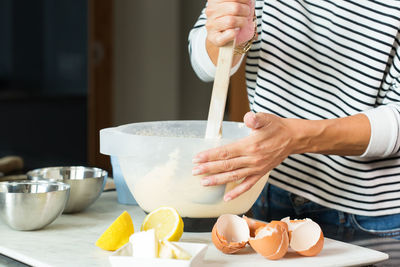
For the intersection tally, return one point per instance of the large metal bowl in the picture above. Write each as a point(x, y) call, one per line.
point(86, 183)
point(32, 205)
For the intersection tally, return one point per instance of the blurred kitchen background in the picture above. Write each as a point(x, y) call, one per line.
point(71, 67)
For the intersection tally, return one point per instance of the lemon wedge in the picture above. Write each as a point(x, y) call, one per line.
point(117, 234)
point(166, 221)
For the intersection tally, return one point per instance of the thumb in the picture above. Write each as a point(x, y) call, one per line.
point(256, 120)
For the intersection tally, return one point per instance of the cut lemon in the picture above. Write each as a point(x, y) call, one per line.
point(167, 223)
point(117, 234)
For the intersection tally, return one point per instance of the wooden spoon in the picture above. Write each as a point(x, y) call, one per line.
point(10, 164)
point(217, 109)
point(220, 91)
point(9, 178)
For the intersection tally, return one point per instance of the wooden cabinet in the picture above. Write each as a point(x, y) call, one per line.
point(238, 103)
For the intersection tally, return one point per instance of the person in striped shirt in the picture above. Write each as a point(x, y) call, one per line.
point(323, 84)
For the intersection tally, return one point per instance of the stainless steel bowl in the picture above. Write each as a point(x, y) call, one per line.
point(32, 205)
point(86, 184)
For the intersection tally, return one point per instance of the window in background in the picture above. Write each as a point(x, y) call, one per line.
point(44, 81)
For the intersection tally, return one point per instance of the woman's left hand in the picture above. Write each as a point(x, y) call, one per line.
point(270, 142)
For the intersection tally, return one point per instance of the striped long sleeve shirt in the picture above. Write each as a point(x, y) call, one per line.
point(322, 60)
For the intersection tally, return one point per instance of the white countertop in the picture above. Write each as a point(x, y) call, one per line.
point(69, 241)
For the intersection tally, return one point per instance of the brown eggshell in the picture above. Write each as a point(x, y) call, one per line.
point(254, 225)
point(291, 225)
point(273, 223)
point(272, 242)
point(223, 245)
point(314, 250)
point(307, 238)
point(230, 233)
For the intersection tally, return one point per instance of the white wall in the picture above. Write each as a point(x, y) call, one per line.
point(153, 79)
point(146, 65)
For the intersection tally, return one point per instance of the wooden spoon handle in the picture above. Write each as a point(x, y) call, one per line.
point(11, 163)
point(220, 91)
point(9, 178)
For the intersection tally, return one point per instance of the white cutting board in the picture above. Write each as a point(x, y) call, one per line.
point(69, 241)
point(334, 253)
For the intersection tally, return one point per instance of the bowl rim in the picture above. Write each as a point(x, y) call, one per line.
point(36, 174)
point(124, 141)
point(61, 186)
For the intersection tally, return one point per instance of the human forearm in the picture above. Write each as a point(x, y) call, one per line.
point(272, 140)
point(348, 136)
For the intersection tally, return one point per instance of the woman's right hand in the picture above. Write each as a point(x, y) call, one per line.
point(229, 19)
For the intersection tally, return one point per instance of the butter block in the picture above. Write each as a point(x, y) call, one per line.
point(178, 252)
point(164, 251)
point(144, 244)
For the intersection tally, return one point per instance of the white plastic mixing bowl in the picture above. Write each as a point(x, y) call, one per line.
point(156, 162)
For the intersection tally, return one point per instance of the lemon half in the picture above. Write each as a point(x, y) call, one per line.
point(117, 234)
point(167, 223)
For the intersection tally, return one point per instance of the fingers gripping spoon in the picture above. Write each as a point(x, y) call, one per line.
point(217, 108)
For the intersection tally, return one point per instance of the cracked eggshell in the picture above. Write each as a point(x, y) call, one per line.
point(291, 224)
point(271, 241)
point(254, 225)
point(230, 233)
point(273, 223)
point(306, 236)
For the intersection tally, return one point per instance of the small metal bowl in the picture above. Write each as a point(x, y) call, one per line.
point(32, 205)
point(86, 184)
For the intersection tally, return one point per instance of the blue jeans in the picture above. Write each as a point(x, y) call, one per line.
point(275, 203)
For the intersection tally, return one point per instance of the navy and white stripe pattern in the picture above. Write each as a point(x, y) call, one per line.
point(322, 60)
